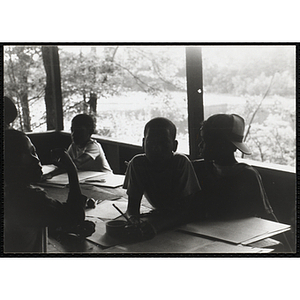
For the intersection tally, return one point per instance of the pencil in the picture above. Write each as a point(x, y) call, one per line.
point(117, 208)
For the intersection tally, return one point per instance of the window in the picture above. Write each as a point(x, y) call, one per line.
point(258, 83)
point(125, 86)
point(24, 82)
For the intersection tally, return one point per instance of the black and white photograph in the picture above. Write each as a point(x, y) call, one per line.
point(149, 149)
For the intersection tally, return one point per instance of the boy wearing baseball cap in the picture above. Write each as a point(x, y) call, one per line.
point(230, 189)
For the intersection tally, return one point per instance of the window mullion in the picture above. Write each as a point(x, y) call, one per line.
point(194, 96)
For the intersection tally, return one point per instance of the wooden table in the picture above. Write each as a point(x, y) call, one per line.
point(169, 242)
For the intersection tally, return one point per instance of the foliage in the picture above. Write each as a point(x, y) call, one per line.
point(272, 133)
point(248, 70)
point(127, 123)
point(153, 79)
point(24, 79)
point(274, 141)
point(117, 70)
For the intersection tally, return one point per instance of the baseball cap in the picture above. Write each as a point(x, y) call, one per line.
point(237, 134)
point(230, 127)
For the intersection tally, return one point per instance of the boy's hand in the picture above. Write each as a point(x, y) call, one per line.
point(87, 228)
point(134, 220)
point(141, 231)
point(62, 159)
point(46, 176)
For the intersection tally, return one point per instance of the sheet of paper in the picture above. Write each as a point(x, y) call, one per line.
point(241, 231)
point(63, 179)
point(107, 180)
point(94, 178)
point(264, 236)
point(98, 193)
point(100, 237)
point(164, 242)
point(60, 192)
point(221, 247)
point(265, 243)
point(106, 211)
point(100, 230)
point(48, 168)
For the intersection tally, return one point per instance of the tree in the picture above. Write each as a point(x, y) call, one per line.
point(274, 141)
point(115, 71)
point(53, 96)
point(153, 75)
point(248, 70)
point(23, 79)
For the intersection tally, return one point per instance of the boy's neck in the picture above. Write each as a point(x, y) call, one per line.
point(82, 145)
point(163, 163)
point(226, 161)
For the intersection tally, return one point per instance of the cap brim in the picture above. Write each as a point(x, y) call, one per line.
point(242, 147)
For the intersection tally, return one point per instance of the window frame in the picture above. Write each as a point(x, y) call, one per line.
point(194, 81)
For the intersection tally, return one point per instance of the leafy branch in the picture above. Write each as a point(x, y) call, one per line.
point(258, 107)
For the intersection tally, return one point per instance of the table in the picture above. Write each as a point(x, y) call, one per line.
point(173, 241)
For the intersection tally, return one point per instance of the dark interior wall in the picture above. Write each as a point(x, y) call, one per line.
point(280, 187)
point(46, 141)
point(118, 154)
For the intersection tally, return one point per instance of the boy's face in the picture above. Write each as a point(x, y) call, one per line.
point(159, 145)
point(214, 149)
point(208, 150)
point(80, 135)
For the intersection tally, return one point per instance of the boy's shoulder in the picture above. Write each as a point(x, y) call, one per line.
point(177, 157)
point(239, 169)
point(92, 142)
point(200, 164)
point(181, 160)
point(180, 156)
point(139, 159)
point(249, 171)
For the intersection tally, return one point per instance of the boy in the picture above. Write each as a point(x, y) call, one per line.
point(86, 153)
point(166, 178)
point(230, 189)
point(27, 210)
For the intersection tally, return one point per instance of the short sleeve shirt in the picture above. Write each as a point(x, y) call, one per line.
point(95, 151)
point(164, 188)
point(232, 191)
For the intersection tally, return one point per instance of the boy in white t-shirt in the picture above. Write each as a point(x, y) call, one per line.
point(86, 153)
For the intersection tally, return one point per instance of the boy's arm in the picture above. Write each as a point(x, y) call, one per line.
point(82, 159)
point(66, 162)
point(133, 208)
point(53, 173)
point(135, 188)
point(79, 162)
